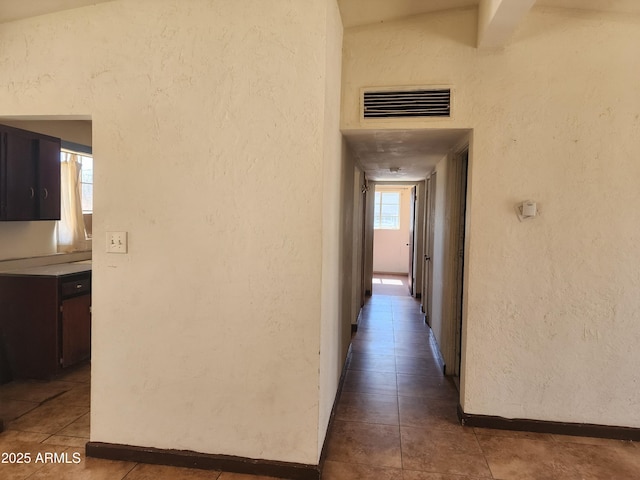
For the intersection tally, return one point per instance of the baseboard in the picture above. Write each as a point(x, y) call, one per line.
point(543, 426)
point(323, 452)
point(435, 349)
point(203, 461)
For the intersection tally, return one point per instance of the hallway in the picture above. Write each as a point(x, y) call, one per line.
point(396, 418)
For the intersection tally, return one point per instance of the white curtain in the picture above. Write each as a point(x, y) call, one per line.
point(71, 235)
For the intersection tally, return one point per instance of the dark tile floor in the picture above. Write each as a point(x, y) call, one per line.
point(396, 420)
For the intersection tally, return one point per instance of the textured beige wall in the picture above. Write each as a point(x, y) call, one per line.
point(210, 141)
point(334, 326)
point(552, 311)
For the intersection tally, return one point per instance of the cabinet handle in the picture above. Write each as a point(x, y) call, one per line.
point(33, 192)
point(79, 285)
point(46, 193)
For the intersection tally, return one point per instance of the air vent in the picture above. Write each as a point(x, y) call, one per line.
point(408, 103)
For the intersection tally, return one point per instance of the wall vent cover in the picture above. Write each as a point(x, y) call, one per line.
point(413, 103)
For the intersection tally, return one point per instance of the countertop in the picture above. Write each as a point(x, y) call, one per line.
point(56, 270)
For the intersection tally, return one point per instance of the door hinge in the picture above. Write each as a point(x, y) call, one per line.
point(61, 308)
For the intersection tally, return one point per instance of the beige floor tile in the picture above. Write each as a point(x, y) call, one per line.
point(161, 472)
point(369, 444)
point(591, 440)
point(80, 374)
point(352, 471)
point(526, 459)
point(379, 348)
point(429, 413)
point(413, 349)
point(366, 381)
point(62, 440)
point(418, 366)
point(27, 459)
point(48, 419)
point(414, 475)
point(373, 362)
point(78, 428)
point(441, 441)
point(514, 434)
point(368, 408)
point(33, 390)
point(11, 409)
point(12, 437)
point(243, 476)
point(86, 469)
point(414, 457)
point(80, 396)
point(441, 388)
point(596, 462)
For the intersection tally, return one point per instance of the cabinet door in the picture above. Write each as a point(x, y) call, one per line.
point(21, 191)
point(49, 179)
point(76, 330)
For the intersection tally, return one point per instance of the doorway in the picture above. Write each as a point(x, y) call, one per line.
point(459, 214)
point(396, 239)
point(56, 406)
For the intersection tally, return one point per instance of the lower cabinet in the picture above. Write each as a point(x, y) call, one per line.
point(76, 330)
point(45, 324)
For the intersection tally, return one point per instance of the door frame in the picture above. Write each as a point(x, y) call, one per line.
point(418, 229)
point(429, 236)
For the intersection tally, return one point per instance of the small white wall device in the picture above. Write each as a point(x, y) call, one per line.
point(526, 210)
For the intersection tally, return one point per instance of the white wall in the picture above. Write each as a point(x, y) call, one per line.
point(439, 259)
point(212, 136)
point(336, 258)
point(552, 311)
point(390, 250)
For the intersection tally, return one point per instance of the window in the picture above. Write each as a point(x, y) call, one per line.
point(386, 213)
point(85, 186)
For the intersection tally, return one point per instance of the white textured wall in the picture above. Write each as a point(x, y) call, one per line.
point(553, 315)
point(209, 135)
point(335, 327)
point(390, 250)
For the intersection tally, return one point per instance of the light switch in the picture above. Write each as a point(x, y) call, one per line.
point(116, 242)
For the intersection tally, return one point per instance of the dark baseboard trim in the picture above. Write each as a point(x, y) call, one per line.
point(542, 426)
point(435, 349)
point(323, 452)
point(204, 461)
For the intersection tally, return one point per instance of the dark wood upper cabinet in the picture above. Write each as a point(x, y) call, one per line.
point(29, 175)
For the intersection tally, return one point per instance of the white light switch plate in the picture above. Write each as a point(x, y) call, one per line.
point(116, 242)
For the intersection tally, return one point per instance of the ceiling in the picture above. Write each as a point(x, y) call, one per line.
point(413, 152)
point(11, 10)
point(363, 12)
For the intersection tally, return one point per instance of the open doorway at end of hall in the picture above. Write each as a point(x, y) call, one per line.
point(394, 240)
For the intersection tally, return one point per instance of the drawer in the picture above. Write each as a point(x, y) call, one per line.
point(76, 286)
